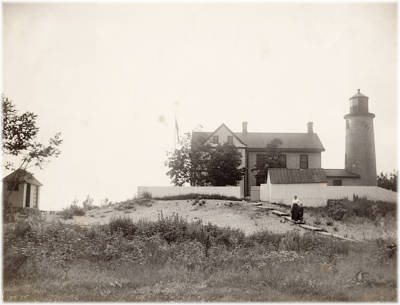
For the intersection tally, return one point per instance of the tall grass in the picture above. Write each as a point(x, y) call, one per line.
point(174, 260)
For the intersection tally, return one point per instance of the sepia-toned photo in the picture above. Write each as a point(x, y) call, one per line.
point(199, 151)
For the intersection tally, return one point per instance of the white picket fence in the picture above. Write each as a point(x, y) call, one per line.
point(164, 191)
point(318, 194)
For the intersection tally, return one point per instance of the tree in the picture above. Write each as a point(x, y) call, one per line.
point(201, 164)
point(223, 167)
point(20, 141)
point(388, 181)
point(270, 158)
point(188, 162)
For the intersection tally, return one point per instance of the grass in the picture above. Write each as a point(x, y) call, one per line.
point(174, 260)
point(198, 196)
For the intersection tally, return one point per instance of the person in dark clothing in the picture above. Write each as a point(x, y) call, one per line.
point(301, 211)
point(297, 209)
point(295, 212)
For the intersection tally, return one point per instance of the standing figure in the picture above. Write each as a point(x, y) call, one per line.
point(301, 211)
point(295, 208)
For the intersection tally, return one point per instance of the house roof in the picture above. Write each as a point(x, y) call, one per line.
point(233, 133)
point(342, 173)
point(296, 176)
point(301, 141)
point(21, 175)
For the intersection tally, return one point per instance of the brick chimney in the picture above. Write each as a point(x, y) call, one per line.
point(310, 127)
point(244, 127)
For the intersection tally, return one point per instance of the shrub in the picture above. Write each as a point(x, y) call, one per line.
point(146, 195)
point(72, 210)
point(88, 204)
point(122, 224)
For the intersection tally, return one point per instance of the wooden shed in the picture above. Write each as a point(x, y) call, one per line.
point(21, 189)
point(307, 184)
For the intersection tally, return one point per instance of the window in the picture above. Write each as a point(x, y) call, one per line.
point(354, 106)
point(303, 161)
point(230, 140)
point(347, 124)
point(215, 140)
point(12, 186)
point(282, 160)
point(260, 160)
point(337, 182)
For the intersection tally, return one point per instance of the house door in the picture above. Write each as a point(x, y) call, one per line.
point(28, 195)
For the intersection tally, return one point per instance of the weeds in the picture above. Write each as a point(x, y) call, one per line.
point(169, 259)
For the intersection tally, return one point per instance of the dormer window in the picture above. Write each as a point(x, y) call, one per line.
point(230, 140)
point(215, 140)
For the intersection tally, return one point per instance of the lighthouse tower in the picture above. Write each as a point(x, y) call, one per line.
point(360, 144)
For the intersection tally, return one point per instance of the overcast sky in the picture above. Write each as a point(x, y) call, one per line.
point(111, 76)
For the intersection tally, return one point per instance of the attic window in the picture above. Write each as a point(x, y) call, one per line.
point(215, 139)
point(230, 140)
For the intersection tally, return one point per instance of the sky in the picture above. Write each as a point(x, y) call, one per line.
point(112, 77)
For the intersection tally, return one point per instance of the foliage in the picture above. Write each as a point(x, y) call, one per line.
point(20, 142)
point(188, 163)
point(172, 259)
point(271, 159)
point(347, 210)
point(388, 181)
point(223, 167)
point(88, 204)
point(73, 210)
point(146, 195)
point(201, 164)
point(20, 137)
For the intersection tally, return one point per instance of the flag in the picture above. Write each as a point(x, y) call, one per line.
point(177, 129)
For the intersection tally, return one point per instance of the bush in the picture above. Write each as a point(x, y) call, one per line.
point(71, 211)
point(88, 204)
point(146, 195)
point(122, 224)
point(341, 209)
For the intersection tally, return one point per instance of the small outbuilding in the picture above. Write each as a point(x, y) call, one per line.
point(21, 189)
point(308, 184)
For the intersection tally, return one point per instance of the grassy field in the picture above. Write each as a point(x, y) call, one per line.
point(172, 259)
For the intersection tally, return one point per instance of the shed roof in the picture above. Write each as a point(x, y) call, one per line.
point(342, 173)
point(296, 176)
point(22, 175)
